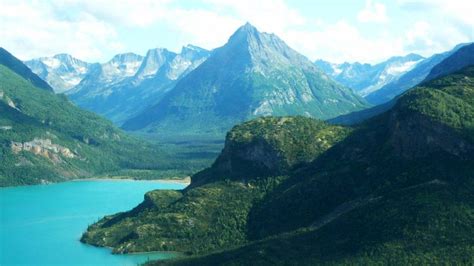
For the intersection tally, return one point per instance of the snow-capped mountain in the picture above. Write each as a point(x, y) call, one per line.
point(117, 69)
point(410, 78)
point(366, 78)
point(128, 83)
point(62, 71)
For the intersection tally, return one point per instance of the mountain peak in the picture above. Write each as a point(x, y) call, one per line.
point(191, 47)
point(246, 29)
point(126, 57)
point(63, 56)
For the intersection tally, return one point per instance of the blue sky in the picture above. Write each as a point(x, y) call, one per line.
point(335, 30)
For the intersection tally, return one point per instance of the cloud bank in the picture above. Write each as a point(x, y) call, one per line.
point(94, 30)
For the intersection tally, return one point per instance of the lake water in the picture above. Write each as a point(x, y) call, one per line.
point(42, 225)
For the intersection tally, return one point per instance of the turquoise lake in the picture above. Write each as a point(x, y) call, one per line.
point(42, 225)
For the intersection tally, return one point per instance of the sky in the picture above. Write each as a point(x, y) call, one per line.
point(368, 31)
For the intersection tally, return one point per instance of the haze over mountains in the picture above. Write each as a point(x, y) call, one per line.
point(129, 83)
point(45, 138)
point(253, 74)
point(166, 92)
point(61, 71)
point(409, 79)
point(367, 78)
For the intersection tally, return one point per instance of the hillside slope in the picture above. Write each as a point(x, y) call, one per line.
point(212, 212)
point(45, 138)
point(460, 59)
point(398, 190)
point(19, 68)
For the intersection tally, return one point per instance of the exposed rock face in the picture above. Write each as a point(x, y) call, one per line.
point(61, 71)
point(270, 146)
point(419, 136)
point(43, 147)
point(253, 74)
point(257, 153)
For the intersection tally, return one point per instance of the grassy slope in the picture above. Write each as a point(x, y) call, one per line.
point(397, 190)
point(213, 212)
point(99, 146)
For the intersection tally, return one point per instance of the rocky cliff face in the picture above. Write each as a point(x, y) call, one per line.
point(419, 136)
point(61, 71)
point(254, 74)
point(271, 146)
point(43, 147)
point(213, 211)
point(129, 83)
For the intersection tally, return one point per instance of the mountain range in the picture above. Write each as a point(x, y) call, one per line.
point(253, 74)
point(409, 79)
point(45, 138)
point(367, 78)
point(382, 82)
point(151, 94)
point(61, 71)
point(129, 83)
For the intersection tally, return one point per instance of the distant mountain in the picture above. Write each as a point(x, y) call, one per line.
point(366, 78)
point(129, 83)
point(254, 74)
point(458, 60)
point(61, 71)
point(453, 62)
point(103, 76)
point(15, 65)
point(45, 138)
point(409, 79)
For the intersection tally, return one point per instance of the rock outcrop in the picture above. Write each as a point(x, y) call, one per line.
point(43, 147)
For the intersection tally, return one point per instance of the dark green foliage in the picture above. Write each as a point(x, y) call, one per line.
point(271, 146)
point(19, 68)
point(460, 59)
point(212, 213)
point(428, 224)
point(28, 113)
point(398, 190)
point(427, 135)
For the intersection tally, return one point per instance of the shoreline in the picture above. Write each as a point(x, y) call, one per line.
point(182, 181)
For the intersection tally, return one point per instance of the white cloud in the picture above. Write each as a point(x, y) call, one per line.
point(202, 27)
point(343, 42)
point(373, 12)
point(33, 29)
point(130, 13)
point(211, 28)
point(453, 11)
point(426, 39)
point(91, 29)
